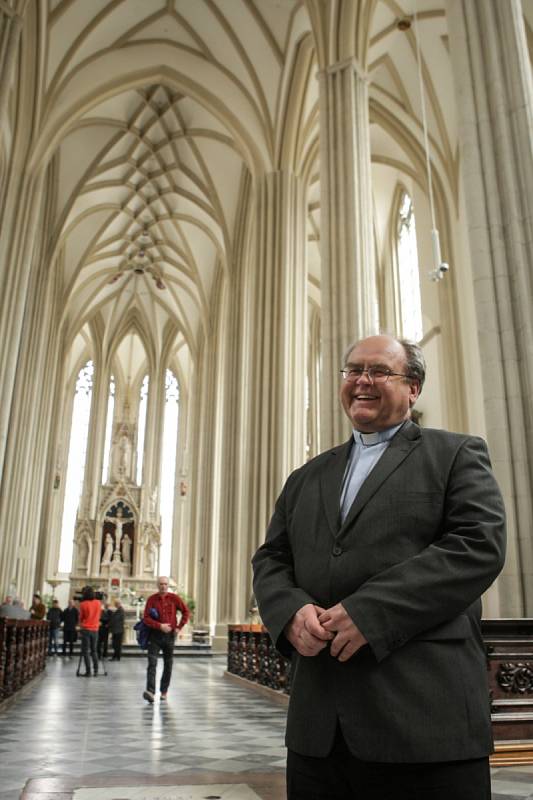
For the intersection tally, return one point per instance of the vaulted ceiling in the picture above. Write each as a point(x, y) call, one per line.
point(155, 109)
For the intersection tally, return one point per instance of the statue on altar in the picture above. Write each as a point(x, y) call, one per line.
point(118, 522)
point(121, 454)
point(151, 554)
point(125, 450)
point(126, 549)
point(109, 546)
point(119, 534)
point(83, 555)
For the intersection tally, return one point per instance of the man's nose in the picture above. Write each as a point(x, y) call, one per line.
point(364, 376)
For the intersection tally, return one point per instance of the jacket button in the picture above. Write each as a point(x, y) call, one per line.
point(337, 550)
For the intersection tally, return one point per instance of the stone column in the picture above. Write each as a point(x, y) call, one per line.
point(153, 453)
point(349, 292)
point(10, 30)
point(25, 541)
point(153, 435)
point(256, 434)
point(96, 437)
point(276, 302)
point(495, 100)
point(21, 205)
point(181, 544)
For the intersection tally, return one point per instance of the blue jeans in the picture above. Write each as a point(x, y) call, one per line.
point(88, 644)
point(52, 640)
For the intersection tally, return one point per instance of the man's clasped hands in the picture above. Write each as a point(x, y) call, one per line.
point(312, 627)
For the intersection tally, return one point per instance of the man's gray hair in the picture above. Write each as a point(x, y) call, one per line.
point(414, 357)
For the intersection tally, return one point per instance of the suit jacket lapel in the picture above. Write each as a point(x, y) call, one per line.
point(407, 438)
point(331, 483)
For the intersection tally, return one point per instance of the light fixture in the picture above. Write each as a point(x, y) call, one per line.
point(404, 23)
point(139, 262)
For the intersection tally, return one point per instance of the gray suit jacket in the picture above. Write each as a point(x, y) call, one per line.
point(423, 540)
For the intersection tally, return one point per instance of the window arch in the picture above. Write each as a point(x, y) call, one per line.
point(408, 271)
point(79, 432)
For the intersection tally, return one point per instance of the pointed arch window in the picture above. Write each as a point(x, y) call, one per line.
point(408, 271)
point(79, 431)
point(141, 427)
point(168, 469)
point(108, 429)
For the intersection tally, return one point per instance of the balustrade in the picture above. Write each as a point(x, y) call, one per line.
point(509, 644)
point(252, 655)
point(23, 648)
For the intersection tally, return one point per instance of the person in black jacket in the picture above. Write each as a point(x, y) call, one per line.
point(103, 631)
point(54, 618)
point(116, 628)
point(70, 616)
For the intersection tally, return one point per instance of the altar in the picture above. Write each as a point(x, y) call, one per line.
point(117, 538)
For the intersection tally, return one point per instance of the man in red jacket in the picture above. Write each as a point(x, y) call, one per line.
point(163, 630)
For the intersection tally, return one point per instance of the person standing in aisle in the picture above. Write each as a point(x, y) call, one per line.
point(90, 610)
point(103, 631)
point(54, 618)
point(116, 629)
point(70, 617)
point(163, 631)
point(37, 608)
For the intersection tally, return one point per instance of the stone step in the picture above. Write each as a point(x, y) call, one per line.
point(181, 650)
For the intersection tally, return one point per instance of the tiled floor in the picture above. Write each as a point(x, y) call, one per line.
point(96, 739)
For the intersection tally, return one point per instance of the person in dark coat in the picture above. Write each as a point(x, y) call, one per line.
point(116, 628)
point(54, 618)
point(37, 608)
point(103, 631)
point(70, 617)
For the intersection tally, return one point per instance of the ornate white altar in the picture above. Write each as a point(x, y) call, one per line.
point(116, 550)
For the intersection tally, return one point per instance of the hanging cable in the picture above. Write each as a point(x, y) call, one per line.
point(440, 267)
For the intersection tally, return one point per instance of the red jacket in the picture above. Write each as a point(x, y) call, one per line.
point(167, 606)
point(90, 611)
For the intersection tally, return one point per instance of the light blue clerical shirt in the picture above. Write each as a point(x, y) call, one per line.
point(365, 454)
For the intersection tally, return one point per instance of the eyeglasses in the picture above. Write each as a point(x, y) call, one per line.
point(375, 374)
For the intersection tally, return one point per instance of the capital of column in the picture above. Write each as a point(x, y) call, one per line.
point(348, 63)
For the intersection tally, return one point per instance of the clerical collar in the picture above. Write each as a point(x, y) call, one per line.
point(370, 439)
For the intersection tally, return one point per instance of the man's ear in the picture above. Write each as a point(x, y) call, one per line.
point(414, 392)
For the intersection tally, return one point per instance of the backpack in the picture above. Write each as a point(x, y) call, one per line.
point(142, 631)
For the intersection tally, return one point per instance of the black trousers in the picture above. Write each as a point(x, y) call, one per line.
point(69, 637)
point(103, 641)
point(116, 639)
point(165, 643)
point(342, 776)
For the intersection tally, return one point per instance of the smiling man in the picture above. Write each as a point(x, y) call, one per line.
point(382, 399)
point(370, 581)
